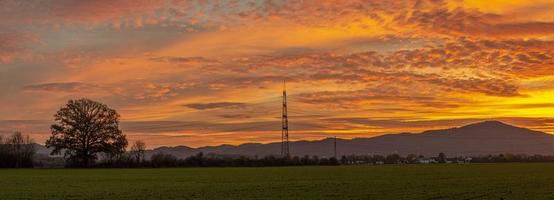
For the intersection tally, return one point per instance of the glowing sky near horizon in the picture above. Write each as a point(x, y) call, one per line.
point(199, 73)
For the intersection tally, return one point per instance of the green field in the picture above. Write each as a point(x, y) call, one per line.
point(475, 181)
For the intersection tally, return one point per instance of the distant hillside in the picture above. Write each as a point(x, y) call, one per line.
point(489, 137)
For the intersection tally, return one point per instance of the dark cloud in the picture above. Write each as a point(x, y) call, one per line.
point(196, 127)
point(184, 60)
point(517, 29)
point(60, 87)
point(206, 106)
point(236, 116)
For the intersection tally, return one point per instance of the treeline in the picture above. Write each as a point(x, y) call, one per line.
point(160, 160)
point(508, 157)
point(16, 151)
point(378, 159)
point(442, 158)
point(136, 159)
point(396, 159)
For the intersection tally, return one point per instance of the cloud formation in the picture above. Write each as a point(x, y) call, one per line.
point(60, 87)
point(353, 68)
point(206, 106)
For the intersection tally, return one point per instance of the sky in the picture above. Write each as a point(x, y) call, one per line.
point(200, 73)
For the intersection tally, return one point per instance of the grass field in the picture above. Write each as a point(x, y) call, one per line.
point(475, 181)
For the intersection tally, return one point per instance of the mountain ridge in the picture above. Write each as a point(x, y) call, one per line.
point(483, 138)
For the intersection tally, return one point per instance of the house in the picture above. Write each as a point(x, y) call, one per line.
point(426, 161)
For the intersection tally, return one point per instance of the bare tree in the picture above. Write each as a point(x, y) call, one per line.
point(138, 149)
point(85, 128)
point(16, 151)
point(28, 151)
point(4, 155)
point(16, 144)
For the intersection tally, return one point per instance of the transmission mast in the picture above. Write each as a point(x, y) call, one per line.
point(335, 149)
point(285, 126)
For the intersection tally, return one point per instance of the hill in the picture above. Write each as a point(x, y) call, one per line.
point(489, 137)
point(484, 138)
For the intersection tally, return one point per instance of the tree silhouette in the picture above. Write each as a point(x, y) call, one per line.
point(16, 151)
point(442, 158)
point(85, 128)
point(138, 149)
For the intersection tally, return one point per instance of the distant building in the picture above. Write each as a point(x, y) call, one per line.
point(426, 161)
point(464, 160)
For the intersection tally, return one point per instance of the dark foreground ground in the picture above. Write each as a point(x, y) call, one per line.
point(474, 181)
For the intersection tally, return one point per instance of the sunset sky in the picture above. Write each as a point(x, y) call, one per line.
point(200, 73)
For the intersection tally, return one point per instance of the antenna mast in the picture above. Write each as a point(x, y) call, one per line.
point(335, 152)
point(285, 126)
